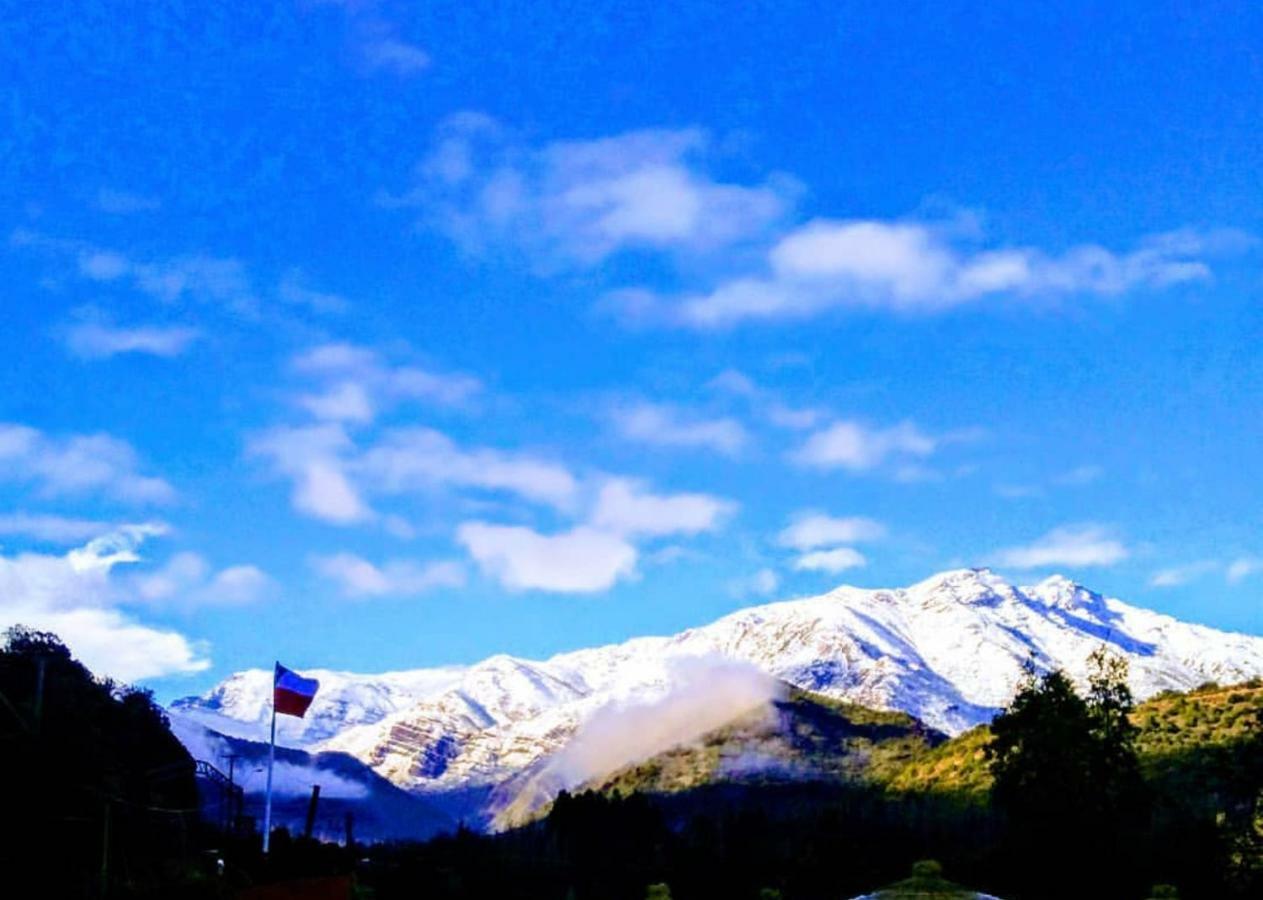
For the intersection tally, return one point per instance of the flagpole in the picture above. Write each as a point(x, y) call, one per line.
point(267, 807)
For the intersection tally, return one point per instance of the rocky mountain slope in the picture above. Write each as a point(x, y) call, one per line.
point(948, 651)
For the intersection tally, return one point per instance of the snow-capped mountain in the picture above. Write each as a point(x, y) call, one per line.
point(948, 650)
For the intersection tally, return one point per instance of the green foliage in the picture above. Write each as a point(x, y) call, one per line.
point(658, 892)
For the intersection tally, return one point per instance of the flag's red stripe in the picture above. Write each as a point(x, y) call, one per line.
point(289, 703)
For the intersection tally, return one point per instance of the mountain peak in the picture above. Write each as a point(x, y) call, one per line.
point(1061, 592)
point(971, 586)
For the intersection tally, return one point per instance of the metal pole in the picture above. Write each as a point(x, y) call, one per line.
point(267, 807)
point(311, 811)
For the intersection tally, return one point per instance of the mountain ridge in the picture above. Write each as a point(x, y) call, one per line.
point(948, 650)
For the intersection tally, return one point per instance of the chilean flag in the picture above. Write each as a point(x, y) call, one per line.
point(291, 692)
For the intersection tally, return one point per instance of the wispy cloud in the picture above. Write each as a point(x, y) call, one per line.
point(1175, 576)
point(56, 529)
point(575, 203)
point(810, 530)
point(663, 425)
point(355, 382)
point(853, 445)
point(627, 507)
point(579, 561)
point(832, 561)
point(196, 277)
point(96, 340)
point(332, 474)
point(1242, 568)
point(188, 580)
point(77, 464)
point(1072, 545)
point(762, 583)
point(356, 577)
point(918, 268)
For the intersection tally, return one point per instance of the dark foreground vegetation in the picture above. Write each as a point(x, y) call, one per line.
point(1063, 796)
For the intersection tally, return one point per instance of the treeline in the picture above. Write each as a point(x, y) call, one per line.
point(1071, 813)
point(101, 801)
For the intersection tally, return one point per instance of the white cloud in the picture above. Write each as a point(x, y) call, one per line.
point(53, 529)
point(765, 402)
point(665, 426)
point(313, 458)
point(626, 507)
point(357, 577)
point(220, 281)
point(422, 458)
point(762, 583)
point(294, 291)
point(187, 580)
point(75, 597)
point(331, 475)
point(1072, 545)
point(811, 530)
point(1175, 576)
point(915, 267)
point(344, 402)
point(858, 447)
point(582, 560)
point(394, 55)
point(93, 340)
point(357, 382)
point(836, 560)
point(1080, 475)
point(577, 202)
point(77, 464)
point(1240, 569)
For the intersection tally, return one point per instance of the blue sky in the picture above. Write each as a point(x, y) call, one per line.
point(380, 335)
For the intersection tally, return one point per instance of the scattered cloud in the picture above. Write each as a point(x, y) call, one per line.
point(376, 41)
point(811, 530)
point(313, 457)
point(197, 277)
point(356, 577)
point(187, 580)
point(77, 465)
point(911, 267)
point(422, 458)
point(55, 529)
point(293, 289)
point(661, 425)
point(762, 583)
point(1080, 475)
point(1243, 567)
point(581, 560)
point(575, 203)
point(95, 340)
point(1072, 545)
point(836, 560)
point(852, 445)
point(355, 383)
point(1176, 576)
point(766, 404)
point(626, 507)
point(394, 55)
point(76, 596)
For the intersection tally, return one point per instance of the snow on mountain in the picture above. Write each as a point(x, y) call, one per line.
point(241, 705)
point(948, 650)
